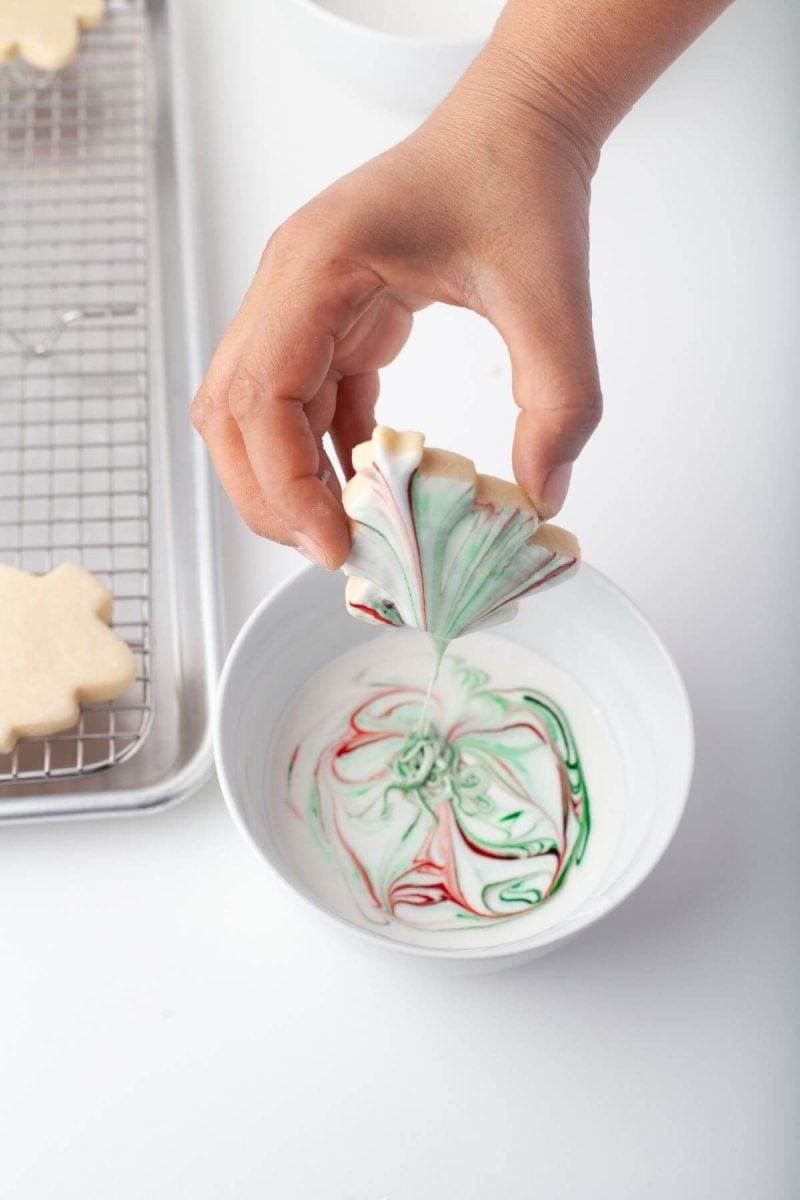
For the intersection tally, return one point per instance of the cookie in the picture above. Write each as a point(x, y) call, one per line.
point(45, 32)
point(56, 649)
point(438, 547)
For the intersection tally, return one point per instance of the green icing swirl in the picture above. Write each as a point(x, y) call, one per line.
point(473, 816)
point(427, 552)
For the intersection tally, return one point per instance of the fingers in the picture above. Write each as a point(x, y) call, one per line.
point(266, 401)
point(270, 396)
point(270, 462)
point(355, 416)
point(556, 387)
point(327, 474)
point(236, 476)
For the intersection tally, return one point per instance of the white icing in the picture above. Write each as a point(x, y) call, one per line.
point(437, 547)
point(315, 719)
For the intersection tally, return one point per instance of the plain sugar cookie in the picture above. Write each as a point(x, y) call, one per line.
point(56, 649)
point(45, 32)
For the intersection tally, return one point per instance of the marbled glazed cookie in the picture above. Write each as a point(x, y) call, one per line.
point(438, 547)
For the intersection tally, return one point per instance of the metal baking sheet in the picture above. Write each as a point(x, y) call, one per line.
point(101, 347)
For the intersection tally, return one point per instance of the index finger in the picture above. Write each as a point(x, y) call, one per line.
point(277, 358)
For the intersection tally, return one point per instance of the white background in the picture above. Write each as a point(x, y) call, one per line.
point(173, 1025)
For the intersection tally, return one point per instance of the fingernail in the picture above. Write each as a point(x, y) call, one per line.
point(556, 486)
point(309, 549)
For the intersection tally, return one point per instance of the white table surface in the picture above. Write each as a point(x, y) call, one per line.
point(173, 1025)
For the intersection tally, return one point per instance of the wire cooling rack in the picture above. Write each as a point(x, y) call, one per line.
point(74, 413)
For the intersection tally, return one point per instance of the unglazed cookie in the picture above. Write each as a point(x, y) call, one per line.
point(436, 546)
point(56, 649)
point(45, 32)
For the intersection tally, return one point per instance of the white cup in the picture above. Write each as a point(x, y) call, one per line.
point(399, 53)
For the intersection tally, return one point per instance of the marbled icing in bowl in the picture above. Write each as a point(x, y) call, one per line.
point(467, 821)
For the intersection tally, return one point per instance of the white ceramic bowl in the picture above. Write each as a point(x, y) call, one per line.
point(588, 628)
point(400, 53)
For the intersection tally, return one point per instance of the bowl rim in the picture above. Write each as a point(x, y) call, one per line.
point(536, 942)
point(383, 35)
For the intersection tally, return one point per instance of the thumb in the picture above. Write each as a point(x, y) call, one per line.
point(557, 389)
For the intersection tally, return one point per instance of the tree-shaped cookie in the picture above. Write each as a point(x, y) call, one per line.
point(438, 547)
point(56, 649)
point(45, 32)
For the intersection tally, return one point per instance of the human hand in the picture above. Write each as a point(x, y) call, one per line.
point(485, 206)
